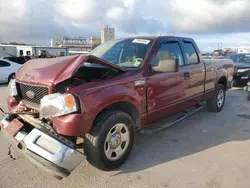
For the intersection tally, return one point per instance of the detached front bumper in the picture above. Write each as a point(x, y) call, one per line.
point(44, 150)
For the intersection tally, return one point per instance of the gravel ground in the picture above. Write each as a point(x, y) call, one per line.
point(207, 150)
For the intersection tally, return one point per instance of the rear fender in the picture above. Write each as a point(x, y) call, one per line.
point(221, 72)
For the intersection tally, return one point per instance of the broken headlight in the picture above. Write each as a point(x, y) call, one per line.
point(57, 104)
point(12, 87)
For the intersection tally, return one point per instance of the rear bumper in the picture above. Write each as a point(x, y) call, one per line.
point(44, 151)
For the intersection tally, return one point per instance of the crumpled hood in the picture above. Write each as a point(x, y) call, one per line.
point(56, 70)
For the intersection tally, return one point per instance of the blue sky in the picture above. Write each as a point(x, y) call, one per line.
point(207, 21)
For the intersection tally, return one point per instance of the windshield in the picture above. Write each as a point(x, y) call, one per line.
point(242, 58)
point(128, 53)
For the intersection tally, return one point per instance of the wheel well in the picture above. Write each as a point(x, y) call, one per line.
point(126, 107)
point(223, 81)
point(10, 76)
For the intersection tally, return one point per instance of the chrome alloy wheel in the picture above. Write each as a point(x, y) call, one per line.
point(220, 98)
point(116, 142)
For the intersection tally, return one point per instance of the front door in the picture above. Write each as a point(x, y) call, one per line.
point(165, 90)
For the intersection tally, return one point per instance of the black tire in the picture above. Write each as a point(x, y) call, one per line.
point(12, 76)
point(212, 104)
point(94, 142)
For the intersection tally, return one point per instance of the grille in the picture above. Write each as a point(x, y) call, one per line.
point(31, 94)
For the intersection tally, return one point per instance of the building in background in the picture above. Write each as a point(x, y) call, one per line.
point(41, 50)
point(7, 50)
point(94, 41)
point(80, 44)
point(107, 34)
point(22, 50)
point(73, 43)
point(52, 43)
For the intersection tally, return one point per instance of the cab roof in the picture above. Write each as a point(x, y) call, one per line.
point(153, 37)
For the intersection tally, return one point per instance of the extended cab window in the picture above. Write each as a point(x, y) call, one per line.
point(4, 64)
point(169, 51)
point(190, 52)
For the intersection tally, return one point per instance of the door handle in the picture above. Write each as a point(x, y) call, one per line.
point(186, 75)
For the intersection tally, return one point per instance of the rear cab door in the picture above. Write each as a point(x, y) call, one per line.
point(195, 72)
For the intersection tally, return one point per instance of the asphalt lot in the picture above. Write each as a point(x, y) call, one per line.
point(207, 150)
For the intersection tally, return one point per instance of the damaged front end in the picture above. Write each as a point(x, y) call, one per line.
point(45, 119)
point(32, 133)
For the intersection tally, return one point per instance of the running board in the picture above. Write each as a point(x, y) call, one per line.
point(172, 120)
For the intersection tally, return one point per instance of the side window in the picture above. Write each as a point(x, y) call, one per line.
point(167, 52)
point(190, 52)
point(4, 64)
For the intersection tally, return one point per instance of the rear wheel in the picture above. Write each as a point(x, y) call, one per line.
point(216, 103)
point(110, 141)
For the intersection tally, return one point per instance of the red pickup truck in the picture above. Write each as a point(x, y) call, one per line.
point(122, 86)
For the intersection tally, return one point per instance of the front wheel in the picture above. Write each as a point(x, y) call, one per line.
point(110, 141)
point(216, 103)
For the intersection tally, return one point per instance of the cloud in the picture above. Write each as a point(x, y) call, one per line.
point(75, 9)
point(206, 16)
point(161, 16)
point(9, 16)
point(40, 20)
point(27, 21)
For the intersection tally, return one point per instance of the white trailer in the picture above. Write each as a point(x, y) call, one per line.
point(7, 50)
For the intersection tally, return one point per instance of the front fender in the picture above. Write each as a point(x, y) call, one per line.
point(95, 100)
